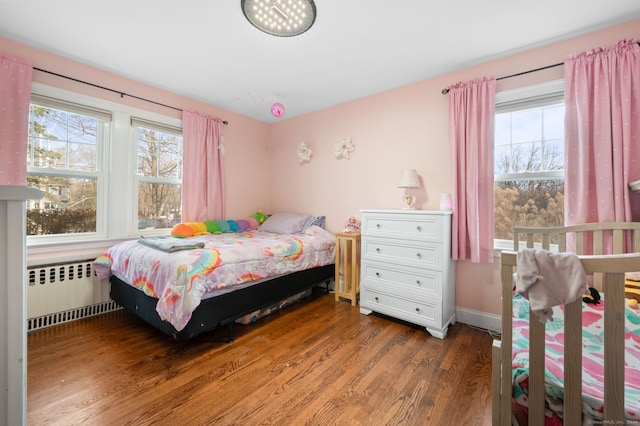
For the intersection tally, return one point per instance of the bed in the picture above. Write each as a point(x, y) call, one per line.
point(188, 286)
point(583, 367)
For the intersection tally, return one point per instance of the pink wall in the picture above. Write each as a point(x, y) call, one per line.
point(394, 130)
point(401, 128)
point(243, 135)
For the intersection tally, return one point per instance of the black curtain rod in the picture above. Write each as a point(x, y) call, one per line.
point(122, 94)
point(445, 91)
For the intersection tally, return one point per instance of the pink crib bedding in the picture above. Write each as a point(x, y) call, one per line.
point(181, 279)
point(592, 361)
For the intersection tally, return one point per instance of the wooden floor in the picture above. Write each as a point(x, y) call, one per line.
point(317, 362)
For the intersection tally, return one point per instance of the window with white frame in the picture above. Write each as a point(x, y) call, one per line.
point(159, 174)
point(64, 162)
point(529, 158)
point(107, 171)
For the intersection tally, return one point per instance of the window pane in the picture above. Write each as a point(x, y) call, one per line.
point(159, 205)
point(527, 203)
point(502, 159)
point(159, 154)
point(62, 140)
point(502, 129)
point(68, 205)
point(529, 141)
point(526, 125)
point(553, 158)
point(526, 157)
point(554, 122)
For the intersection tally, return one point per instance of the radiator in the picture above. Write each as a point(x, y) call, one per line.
point(60, 293)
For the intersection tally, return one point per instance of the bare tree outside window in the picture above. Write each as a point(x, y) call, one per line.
point(62, 162)
point(159, 178)
point(529, 168)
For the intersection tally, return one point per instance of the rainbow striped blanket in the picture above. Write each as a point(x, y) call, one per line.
point(180, 280)
point(592, 361)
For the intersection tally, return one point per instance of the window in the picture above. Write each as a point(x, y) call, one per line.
point(159, 174)
point(107, 170)
point(64, 162)
point(529, 158)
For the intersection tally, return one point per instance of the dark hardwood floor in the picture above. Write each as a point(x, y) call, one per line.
point(316, 362)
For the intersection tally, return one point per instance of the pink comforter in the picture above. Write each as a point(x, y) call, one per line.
point(180, 280)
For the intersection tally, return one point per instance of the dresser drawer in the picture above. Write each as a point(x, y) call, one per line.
point(418, 226)
point(406, 267)
point(427, 255)
point(426, 281)
point(426, 313)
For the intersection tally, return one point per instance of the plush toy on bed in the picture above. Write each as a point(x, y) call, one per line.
point(189, 229)
point(592, 297)
point(260, 217)
point(631, 293)
point(192, 229)
point(632, 289)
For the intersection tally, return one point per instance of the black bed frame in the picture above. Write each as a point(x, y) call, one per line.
point(224, 309)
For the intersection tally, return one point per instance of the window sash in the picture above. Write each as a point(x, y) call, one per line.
point(161, 127)
point(72, 107)
point(547, 175)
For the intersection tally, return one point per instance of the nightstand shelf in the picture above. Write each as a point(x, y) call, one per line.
point(347, 281)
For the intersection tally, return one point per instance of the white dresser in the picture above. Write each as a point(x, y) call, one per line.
point(406, 267)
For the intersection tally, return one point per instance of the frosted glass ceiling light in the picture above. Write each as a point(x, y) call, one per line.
point(282, 18)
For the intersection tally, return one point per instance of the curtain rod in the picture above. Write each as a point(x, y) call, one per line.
point(122, 94)
point(445, 91)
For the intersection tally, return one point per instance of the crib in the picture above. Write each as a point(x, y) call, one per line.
point(607, 251)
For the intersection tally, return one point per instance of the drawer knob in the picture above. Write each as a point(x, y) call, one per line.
point(378, 225)
point(377, 249)
point(419, 255)
point(419, 228)
point(376, 299)
point(418, 282)
point(417, 309)
point(378, 274)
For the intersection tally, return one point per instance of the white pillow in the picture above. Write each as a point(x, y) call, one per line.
point(287, 223)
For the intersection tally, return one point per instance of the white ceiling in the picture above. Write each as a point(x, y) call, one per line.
point(206, 50)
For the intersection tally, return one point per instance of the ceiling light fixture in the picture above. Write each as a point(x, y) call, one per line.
point(282, 18)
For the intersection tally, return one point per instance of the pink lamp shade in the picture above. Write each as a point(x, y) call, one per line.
point(277, 109)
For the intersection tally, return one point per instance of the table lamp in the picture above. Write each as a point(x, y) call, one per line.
point(409, 179)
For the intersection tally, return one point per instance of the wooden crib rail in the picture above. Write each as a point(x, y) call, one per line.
point(612, 268)
point(587, 238)
point(593, 235)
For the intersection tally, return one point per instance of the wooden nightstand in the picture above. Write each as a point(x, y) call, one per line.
point(347, 281)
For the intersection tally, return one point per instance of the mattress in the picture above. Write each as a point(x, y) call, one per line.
point(592, 361)
point(180, 280)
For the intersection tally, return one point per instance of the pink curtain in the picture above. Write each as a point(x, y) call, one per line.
point(471, 118)
point(15, 96)
point(602, 133)
point(203, 186)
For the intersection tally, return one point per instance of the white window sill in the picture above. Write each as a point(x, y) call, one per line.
point(42, 252)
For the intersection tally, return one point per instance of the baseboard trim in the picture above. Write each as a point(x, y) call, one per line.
point(479, 319)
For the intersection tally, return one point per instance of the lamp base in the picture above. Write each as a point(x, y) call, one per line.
point(408, 201)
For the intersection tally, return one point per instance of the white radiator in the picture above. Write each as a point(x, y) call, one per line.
point(66, 292)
